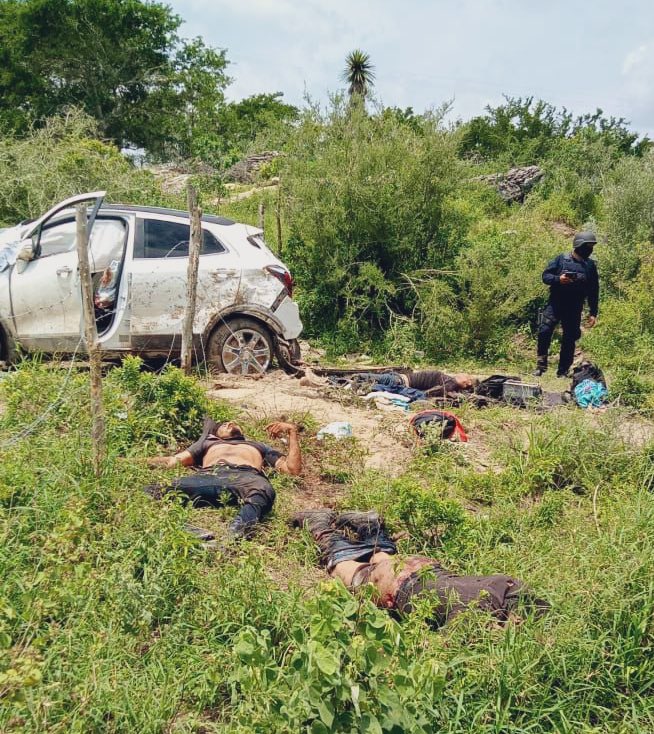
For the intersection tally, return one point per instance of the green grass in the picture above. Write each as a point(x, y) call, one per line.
point(113, 620)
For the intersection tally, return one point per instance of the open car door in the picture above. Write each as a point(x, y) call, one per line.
point(45, 290)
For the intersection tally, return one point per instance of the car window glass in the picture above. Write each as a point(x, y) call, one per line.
point(170, 239)
point(107, 242)
point(58, 238)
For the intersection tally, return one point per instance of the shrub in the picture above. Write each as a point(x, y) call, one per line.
point(365, 198)
point(64, 158)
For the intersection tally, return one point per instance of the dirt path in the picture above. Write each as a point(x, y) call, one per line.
point(382, 434)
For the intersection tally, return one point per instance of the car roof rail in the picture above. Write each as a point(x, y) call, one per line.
point(210, 218)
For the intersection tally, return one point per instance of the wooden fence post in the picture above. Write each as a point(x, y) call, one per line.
point(278, 217)
point(91, 339)
point(195, 246)
point(262, 211)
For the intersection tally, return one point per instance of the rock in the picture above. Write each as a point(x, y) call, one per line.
point(515, 184)
point(245, 171)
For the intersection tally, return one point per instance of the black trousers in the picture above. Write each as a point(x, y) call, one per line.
point(570, 320)
point(225, 485)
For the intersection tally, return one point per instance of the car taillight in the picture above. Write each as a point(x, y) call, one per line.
point(283, 276)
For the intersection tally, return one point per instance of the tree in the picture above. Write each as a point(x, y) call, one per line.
point(525, 131)
point(121, 61)
point(239, 124)
point(358, 73)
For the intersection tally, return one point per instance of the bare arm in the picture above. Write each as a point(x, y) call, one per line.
point(291, 464)
point(169, 462)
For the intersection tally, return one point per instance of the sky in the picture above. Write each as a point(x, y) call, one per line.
point(581, 54)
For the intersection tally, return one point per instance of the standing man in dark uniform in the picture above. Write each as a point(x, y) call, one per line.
point(572, 279)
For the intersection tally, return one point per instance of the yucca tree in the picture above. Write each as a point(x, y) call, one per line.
point(358, 73)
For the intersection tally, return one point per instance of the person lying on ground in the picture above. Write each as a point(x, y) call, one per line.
point(356, 549)
point(432, 382)
point(230, 470)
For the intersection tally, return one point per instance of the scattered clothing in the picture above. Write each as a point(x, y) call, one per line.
point(587, 371)
point(590, 394)
point(391, 397)
point(400, 390)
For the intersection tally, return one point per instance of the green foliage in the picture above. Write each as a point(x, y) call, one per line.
point(142, 407)
point(624, 338)
point(112, 619)
point(63, 158)
point(120, 60)
point(628, 218)
point(359, 73)
point(167, 408)
point(524, 131)
point(365, 199)
point(346, 669)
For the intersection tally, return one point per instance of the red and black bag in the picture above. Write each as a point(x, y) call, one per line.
point(450, 425)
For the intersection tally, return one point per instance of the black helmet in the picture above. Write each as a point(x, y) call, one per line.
point(584, 238)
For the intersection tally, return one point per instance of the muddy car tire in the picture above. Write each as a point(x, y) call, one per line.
point(240, 347)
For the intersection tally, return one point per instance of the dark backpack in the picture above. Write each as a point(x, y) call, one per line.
point(493, 386)
point(586, 371)
point(450, 424)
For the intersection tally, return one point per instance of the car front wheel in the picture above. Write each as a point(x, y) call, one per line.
point(240, 347)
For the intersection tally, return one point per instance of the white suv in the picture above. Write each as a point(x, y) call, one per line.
point(245, 314)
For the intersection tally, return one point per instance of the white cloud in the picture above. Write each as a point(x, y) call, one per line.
point(638, 85)
point(429, 51)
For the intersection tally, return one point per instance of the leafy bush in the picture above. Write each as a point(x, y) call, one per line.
point(628, 219)
point(344, 668)
point(365, 199)
point(61, 159)
point(167, 408)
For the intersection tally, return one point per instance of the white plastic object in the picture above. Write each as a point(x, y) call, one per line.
point(338, 429)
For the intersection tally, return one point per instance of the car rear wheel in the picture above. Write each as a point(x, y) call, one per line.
point(240, 347)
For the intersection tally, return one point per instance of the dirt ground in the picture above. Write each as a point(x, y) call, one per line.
point(383, 435)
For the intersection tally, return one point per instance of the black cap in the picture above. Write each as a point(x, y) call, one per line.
point(584, 238)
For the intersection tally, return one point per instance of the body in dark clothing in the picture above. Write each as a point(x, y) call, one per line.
point(565, 306)
point(225, 483)
point(359, 536)
point(452, 594)
point(433, 383)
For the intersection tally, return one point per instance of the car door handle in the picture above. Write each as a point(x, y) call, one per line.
point(64, 271)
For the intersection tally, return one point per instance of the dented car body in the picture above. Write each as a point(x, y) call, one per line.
point(244, 314)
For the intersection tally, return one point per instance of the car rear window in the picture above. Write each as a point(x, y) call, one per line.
point(171, 239)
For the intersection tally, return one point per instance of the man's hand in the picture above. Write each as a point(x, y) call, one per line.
point(291, 464)
point(565, 279)
point(592, 320)
point(275, 430)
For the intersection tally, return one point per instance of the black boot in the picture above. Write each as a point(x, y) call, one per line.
point(541, 367)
